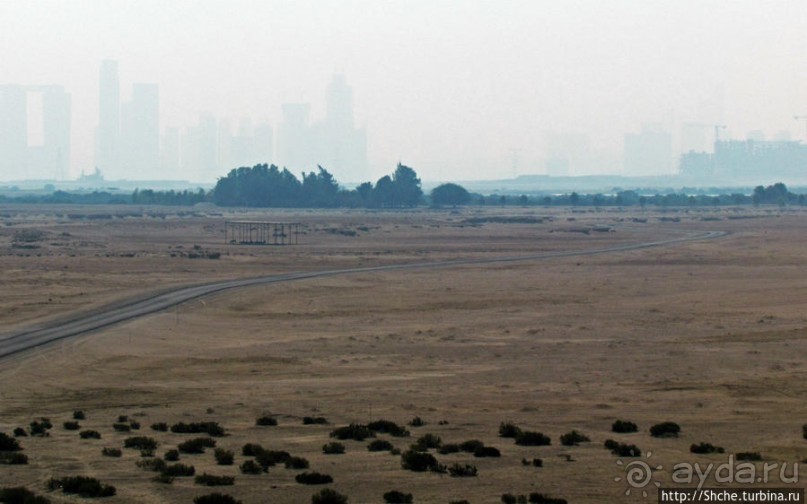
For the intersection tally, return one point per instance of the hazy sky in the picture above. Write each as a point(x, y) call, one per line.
point(451, 88)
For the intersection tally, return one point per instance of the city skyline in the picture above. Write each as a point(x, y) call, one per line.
point(458, 90)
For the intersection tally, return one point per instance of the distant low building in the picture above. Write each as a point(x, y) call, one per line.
point(749, 161)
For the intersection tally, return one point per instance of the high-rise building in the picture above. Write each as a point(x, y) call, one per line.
point(109, 124)
point(13, 132)
point(139, 154)
point(344, 147)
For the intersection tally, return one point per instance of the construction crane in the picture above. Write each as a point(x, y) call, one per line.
point(801, 118)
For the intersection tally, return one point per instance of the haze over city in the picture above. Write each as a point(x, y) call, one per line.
point(458, 90)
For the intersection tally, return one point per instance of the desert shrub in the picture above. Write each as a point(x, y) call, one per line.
point(804, 431)
point(379, 445)
point(196, 445)
point(147, 452)
point(314, 420)
point(250, 467)
point(418, 461)
point(397, 497)
point(223, 457)
point(20, 432)
point(13, 458)
point(209, 428)
point(251, 449)
point(573, 438)
point(665, 429)
point(40, 427)
point(749, 456)
point(89, 434)
point(509, 499)
point(79, 415)
point(121, 427)
point(622, 449)
point(83, 486)
point(265, 421)
point(388, 427)
point(134, 425)
point(530, 438)
point(212, 480)
point(21, 495)
point(178, 470)
point(471, 445)
point(427, 441)
point(216, 498)
point(296, 463)
point(159, 427)
point(313, 478)
point(111, 452)
point(624, 427)
point(140, 442)
point(536, 462)
point(508, 430)
point(462, 471)
point(487, 451)
point(163, 478)
point(703, 448)
point(447, 448)
point(152, 464)
point(171, 455)
point(123, 418)
point(416, 422)
point(8, 443)
point(357, 432)
point(71, 425)
point(539, 498)
point(461, 501)
point(328, 496)
point(333, 448)
point(268, 458)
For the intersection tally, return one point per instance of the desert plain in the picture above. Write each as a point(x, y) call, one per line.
point(710, 334)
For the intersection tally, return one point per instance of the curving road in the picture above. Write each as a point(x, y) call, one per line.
point(20, 341)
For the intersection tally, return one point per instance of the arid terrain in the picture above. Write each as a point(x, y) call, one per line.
point(709, 334)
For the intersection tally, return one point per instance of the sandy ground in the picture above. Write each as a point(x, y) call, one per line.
point(711, 335)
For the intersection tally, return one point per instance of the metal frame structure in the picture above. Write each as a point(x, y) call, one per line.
point(261, 233)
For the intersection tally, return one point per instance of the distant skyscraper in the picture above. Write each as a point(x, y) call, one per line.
point(108, 149)
point(143, 132)
point(344, 147)
point(48, 155)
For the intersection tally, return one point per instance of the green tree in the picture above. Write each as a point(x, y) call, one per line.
point(406, 187)
point(450, 194)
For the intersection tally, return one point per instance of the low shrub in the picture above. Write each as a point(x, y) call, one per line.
point(388, 427)
point(573, 438)
point(111, 452)
point(428, 441)
point(749, 456)
point(212, 480)
point(379, 445)
point(121, 427)
point(71, 425)
point(21, 495)
point(296, 463)
point(196, 445)
point(216, 498)
point(704, 448)
point(624, 427)
point(79, 415)
point(140, 442)
point(179, 470)
point(397, 497)
point(471, 445)
point(20, 432)
point(89, 434)
point(416, 422)
point(268, 458)
point(40, 428)
point(313, 478)
point(333, 448)
point(665, 429)
point(314, 420)
point(536, 462)
point(265, 421)
point(530, 438)
point(13, 458)
point(539, 498)
point(487, 451)
point(357, 432)
point(83, 486)
point(328, 496)
point(622, 449)
point(412, 460)
point(447, 448)
point(209, 428)
point(462, 471)
point(134, 425)
point(171, 455)
point(251, 449)
point(250, 467)
point(508, 430)
point(123, 418)
point(163, 478)
point(8, 443)
point(223, 457)
point(509, 499)
point(159, 427)
point(152, 464)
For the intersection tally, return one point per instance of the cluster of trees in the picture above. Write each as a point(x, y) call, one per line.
point(268, 186)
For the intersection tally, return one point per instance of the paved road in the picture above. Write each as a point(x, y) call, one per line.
point(20, 341)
